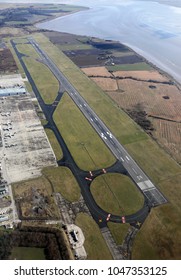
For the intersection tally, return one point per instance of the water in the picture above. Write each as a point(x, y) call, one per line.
point(150, 28)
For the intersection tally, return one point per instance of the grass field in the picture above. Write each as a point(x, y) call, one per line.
point(159, 237)
point(46, 83)
point(63, 182)
point(28, 50)
point(95, 245)
point(130, 67)
point(21, 70)
point(118, 231)
point(88, 150)
point(72, 47)
point(122, 53)
point(20, 40)
point(27, 253)
point(28, 86)
point(54, 143)
point(160, 166)
point(116, 194)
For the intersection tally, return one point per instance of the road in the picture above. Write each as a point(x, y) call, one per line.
point(154, 196)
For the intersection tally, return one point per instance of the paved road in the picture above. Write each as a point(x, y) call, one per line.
point(154, 196)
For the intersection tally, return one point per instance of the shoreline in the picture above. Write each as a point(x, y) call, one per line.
point(158, 68)
point(131, 48)
point(165, 61)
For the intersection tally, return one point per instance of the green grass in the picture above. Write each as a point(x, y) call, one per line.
point(154, 161)
point(14, 23)
point(27, 253)
point(116, 194)
point(86, 147)
point(118, 231)
point(130, 67)
point(94, 244)
point(46, 83)
point(63, 182)
point(119, 123)
point(28, 86)
point(121, 54)
point(75, 47)
point(43, 122)
point(28, 50)
point(54, 143)
point(20, 40)
point(20, 68)
point(159, 237)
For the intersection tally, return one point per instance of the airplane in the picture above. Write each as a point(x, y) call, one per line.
point(108, 217)
point(123, 219)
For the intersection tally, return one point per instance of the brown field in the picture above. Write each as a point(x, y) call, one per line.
point(62, 39)
point(7, 62)
point(87, 60)
point(107, 84)
point(142, 75)
point(11, 32)
point(168, 134)
point(134, 92)
point(97, 71)
point(34, 199)
point(167, 131)
point(161, 102)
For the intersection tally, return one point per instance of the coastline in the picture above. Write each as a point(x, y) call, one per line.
point(133, 49)
point(153, 64)
point(157, 44)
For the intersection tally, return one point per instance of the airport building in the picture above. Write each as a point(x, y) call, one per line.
point(4, 218)
point(12, 91)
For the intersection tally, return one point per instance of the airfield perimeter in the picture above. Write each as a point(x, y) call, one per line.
point(85, 129)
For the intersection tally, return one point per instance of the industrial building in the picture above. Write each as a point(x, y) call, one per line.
point(12, 91)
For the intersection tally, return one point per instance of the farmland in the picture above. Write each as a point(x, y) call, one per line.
point(7, 62)
point(168, 135)
point(107, 84)
point(150, 98)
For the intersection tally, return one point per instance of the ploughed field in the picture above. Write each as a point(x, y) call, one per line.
point(86, 51)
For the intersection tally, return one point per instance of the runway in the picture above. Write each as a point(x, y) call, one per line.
point(143, 182)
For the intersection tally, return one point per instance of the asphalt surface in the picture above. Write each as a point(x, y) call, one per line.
point(154, 196)
point(121, 166)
